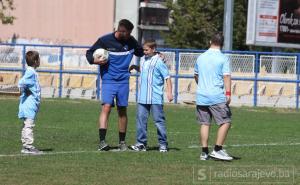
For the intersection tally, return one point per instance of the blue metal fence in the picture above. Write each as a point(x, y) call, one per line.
point(175, 54)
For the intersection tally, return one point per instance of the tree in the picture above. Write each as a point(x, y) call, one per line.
point(193, 22)
point(240, 25)
point(5, 7)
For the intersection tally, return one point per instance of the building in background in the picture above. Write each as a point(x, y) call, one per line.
point(150, 18)
point(128, 10)
point(68, 22)
point(153, 20)
point(73, 22)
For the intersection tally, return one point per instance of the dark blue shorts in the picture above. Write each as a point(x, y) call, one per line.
point(110, 92)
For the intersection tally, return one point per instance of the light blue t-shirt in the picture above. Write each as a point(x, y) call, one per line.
point(154, 72)
point(30, 101)
point(210, 67)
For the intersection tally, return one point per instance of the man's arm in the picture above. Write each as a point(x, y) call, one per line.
point(169, 89)
point(135, 67)
point(26, 82)
point(227, 84)
point(164, 71)
point(138, 49)
point(89, 53)
point(196, 78)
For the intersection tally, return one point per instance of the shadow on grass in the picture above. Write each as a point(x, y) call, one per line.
point(156, 148)
point(115, 148)
point(46, 149)
point(234, 158)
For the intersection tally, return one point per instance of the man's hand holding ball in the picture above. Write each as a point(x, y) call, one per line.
point(100, 56)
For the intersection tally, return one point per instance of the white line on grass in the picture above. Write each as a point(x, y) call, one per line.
point(251, 145)
point(47, 153)
point(61, 152)
point(191, 146)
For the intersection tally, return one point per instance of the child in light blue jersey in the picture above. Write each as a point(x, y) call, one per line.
point(29, 102)
point(153, 74)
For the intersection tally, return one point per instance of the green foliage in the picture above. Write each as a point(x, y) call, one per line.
point(193, 22)
point(5, 7)
point(240, 25)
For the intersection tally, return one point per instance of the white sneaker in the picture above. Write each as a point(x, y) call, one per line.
point(163, 148)
point(122, 146)
point(221, 154)
point(204, 156)
point(32, 151)
point(103, 146)
point(138, 147)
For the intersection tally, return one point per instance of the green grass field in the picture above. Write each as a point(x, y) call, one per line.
point(265, 141)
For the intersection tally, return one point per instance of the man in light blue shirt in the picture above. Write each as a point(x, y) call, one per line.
point(212, 75)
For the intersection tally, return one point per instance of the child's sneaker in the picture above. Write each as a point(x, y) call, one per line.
point(204, 156)
point(138, 147)
point(31, 150)
point(221, 154)
point(103, 146)
point(123, 146)
point(163, 148)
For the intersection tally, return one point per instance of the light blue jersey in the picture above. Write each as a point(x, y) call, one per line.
point(154, 72)
point(210, 67)
point(30, 94)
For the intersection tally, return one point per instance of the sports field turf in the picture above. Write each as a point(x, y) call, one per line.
point(265, 142)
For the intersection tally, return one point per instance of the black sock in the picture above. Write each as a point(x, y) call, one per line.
point(102, 134)
point(122, 136)
point(205, 150)
point(218, 148)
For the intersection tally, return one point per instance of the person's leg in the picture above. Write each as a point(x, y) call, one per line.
point(222, 133)
point(160, 123)
point(122, 114)
point(28, 139)
point(222, 115)
point(107, 97)
point(203, 116)
point(218, 151)
point(142, 114)
point(204, 135)
point(27, 133)
point(122, 94)
point(103, 121)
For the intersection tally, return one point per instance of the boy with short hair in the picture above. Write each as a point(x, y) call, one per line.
point(29, 102)
point(151, 90)
point(213, 78)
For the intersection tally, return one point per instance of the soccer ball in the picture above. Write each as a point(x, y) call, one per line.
point(102, 53)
